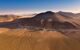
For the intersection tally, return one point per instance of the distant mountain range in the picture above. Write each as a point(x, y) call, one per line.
point(47, 20)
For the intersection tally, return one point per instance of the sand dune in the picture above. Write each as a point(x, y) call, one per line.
point(22, 39)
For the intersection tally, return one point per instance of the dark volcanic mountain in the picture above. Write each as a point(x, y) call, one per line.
point(48, 20)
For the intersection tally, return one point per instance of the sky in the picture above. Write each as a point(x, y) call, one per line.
point(36, 6)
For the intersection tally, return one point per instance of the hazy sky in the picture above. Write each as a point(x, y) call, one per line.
point(27, 6)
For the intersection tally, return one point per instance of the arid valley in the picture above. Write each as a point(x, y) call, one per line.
point(44, 31)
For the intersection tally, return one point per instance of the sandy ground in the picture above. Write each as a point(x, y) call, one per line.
point(22, 39)
point(2, 30)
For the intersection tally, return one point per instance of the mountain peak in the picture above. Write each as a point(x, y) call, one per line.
point(49, 12)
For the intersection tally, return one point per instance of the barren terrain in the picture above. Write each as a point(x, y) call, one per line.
point(45, 31)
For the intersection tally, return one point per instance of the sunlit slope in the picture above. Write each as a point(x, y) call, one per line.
point(2, 30)
point(22, 39)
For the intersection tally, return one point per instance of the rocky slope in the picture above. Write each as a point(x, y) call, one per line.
point(47, 20)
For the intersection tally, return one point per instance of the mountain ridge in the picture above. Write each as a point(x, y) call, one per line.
point(48, 20)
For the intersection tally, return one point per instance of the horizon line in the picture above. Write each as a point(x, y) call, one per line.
point(33, 12)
